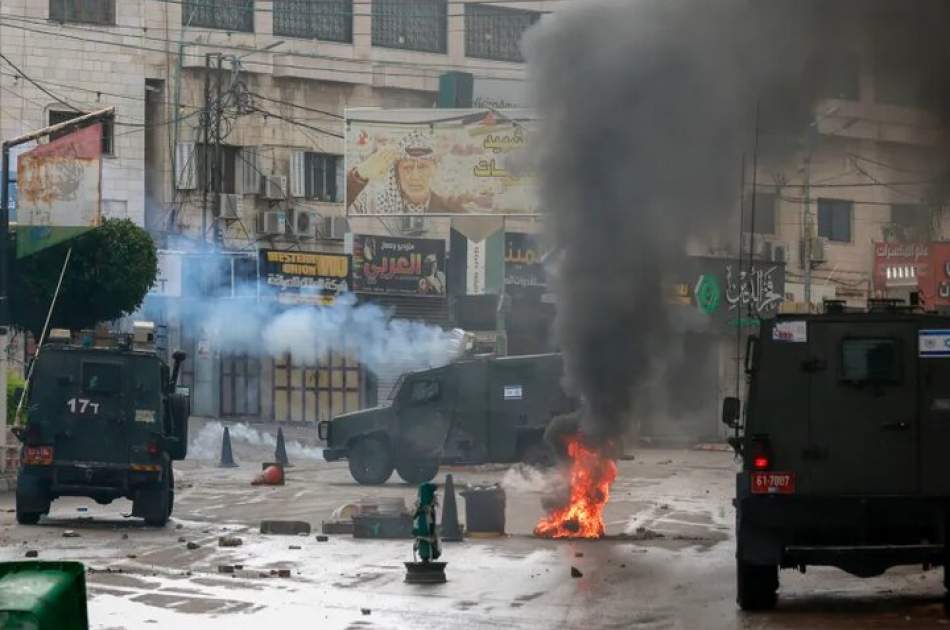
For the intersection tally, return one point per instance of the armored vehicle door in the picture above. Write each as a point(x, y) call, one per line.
point(934, 352)
point(468, 437)
point(863, 425)
point(87, 406)
point(425, 414)
point(512, 392)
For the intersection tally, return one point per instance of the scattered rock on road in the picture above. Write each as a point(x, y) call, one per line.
point(192, 545)
point(230, 541)
point(322, 538)
point(575, 573)
point(70, 534)
point(285, 528)
point(32, 553)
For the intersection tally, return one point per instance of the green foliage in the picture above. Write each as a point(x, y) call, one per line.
point(14, 382)
point(111, 269)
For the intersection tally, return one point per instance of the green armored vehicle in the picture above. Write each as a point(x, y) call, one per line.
point(103, 423)
point(844, 446)
point(471, 412)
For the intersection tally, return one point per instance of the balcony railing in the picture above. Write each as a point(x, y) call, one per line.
point(227, 15)
point(410, 24)
point(495, 33)
point(329, 20)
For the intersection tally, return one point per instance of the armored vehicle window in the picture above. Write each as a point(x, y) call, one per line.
point(870, 360)
point(101, 378)
point(424, 391)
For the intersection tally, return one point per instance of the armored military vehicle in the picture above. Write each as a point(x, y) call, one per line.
point(471, 412)
point(844, 444)
point(102, 422)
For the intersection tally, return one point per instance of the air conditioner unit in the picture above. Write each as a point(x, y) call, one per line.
point(230, 206)
point(818, 254)
point(307, 224)
point(335, 227)
point(272, 223)
point(275, 187)
point(779, 253)
point(412, 224)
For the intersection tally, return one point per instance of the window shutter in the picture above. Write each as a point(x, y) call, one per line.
point(298, 185)
point(185, 165)
point(340, 178)
point(248, 173)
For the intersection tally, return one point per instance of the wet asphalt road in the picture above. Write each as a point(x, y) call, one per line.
point(675, 570)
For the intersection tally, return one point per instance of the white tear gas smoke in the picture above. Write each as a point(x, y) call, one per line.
point(648, 107)
point(364, 332)
point(205, 444)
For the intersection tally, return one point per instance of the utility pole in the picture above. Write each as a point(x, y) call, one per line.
point(205, 170)
point(807, 219)
point(218, 166)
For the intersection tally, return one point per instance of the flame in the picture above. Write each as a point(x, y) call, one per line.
point(592, 473)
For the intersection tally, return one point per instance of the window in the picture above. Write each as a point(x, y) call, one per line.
point(228, 15)
point(910, 222)
point(495, 33)
point(330, 20)
point(56, 117)
point(870, 360)
point(86, 11)
point(204, 157)
point(101, 378)
point(834, 219)
point(323, 176)
point(410, 24)
point(424, 391)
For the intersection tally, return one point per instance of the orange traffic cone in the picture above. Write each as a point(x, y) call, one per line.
point(273, 475)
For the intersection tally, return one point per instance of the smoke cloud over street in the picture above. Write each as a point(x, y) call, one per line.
point(648, 107)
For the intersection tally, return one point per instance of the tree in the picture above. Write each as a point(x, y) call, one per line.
point(111, 269)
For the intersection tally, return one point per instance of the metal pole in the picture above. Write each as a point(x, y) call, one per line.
point(49, 316)
point(806, 222)
point(206, 124)
point(218, 167)
point(5, 234)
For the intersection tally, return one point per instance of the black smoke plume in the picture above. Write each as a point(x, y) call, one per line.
point(648, 107)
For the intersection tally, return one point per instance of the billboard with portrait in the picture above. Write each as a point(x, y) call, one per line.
point(438, 162)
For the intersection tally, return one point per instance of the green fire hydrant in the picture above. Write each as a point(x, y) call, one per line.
point(426, 548)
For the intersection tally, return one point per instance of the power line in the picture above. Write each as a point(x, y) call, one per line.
point(38, 86)
point(296, 106)
point(420, 66)
point(293, 121)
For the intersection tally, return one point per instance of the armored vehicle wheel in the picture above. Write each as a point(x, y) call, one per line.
point(417, 472)
point(756, 586)
point(153, 503)
point(27, 518)
point(371, 463)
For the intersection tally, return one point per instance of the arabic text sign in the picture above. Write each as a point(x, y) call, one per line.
point(405, 266)
point(304, 277)
point(444, 161)
point(723, 289)
point(58, 189)
point(524, 271)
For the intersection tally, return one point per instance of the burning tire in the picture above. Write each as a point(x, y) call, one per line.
point(371, 462)
point(416, 472)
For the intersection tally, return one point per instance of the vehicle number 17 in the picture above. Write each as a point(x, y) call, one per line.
point(82, 406)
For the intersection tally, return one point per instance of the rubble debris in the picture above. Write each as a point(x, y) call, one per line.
point(125, 536)
point(322, 538)
point(365, 611)
point(578, 555)
point(284, 573)
point(179, 526)
point(182, 539)
point(575, 573)
point(294, 547)
point(192, 545)
point(665, 462)
point(285, 528)
point(82, 509)
point(239, 567)
point(32, 553)
point(230, 541)
point(623, 566)
point(70, 534)
point(225, 568)
point(131, 556)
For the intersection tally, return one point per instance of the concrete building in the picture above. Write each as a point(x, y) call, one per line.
point(289, 69)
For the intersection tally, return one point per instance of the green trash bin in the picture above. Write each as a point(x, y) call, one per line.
point(43, 596)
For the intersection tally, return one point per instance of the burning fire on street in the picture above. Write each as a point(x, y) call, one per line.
point(591, 475)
